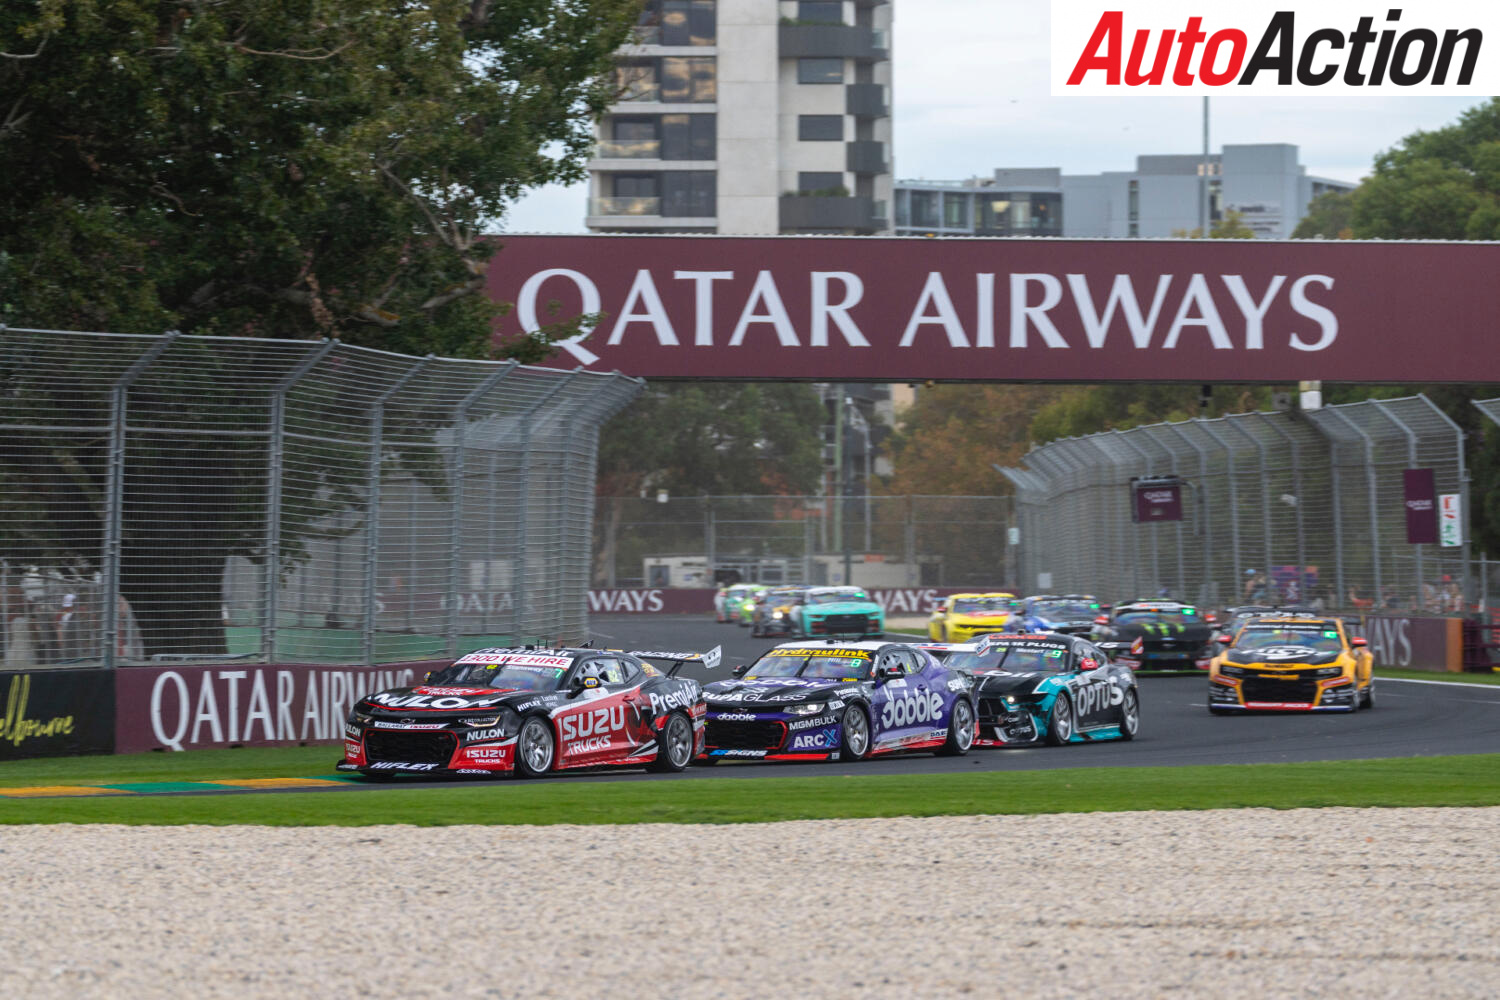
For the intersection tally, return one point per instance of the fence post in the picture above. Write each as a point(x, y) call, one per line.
point(275, 449)
point(1265, 498)
point(1465, 584)
point(1205, 592)
point(1336, 481)
point(1155, 558)
point(372, 502)
point(1411, 463)
point(1296, 451)
point(456, 488)
point(1234, 505)
point(519, 589)
point(115, 491)
point(1374, 510)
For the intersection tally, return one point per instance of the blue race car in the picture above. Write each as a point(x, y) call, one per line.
point(1071, 614)
point(1048, 688)
point(838, 701)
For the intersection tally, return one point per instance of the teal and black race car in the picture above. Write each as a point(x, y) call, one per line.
point(841, 611)
point(1048, 688)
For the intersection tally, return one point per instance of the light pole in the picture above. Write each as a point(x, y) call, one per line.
point(1203, 178)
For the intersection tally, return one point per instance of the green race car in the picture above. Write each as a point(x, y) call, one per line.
point(841, 611)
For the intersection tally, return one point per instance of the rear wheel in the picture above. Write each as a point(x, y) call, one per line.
point(676, 751)
point(535, 748)
point(1130, 716)
point(856, 734)
point(1060, 722)
point(961, 731)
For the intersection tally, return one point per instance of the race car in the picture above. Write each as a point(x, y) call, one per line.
point(838, 701)
point(1297, 664)
point(728, 600)
point(963, 616)
point(778, 612)
point(840, 611)
point(1233, 619)
point(533, 710)
point(742, 611)
point(1070, 614)
point(1049, 688)
point(1160, 636)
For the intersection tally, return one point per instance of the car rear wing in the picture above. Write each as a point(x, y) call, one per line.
point(710, 659)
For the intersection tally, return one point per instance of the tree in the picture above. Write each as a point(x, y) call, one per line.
point(949, 439)
point(1230, 227)
point(1330, 216)
point(319, 168)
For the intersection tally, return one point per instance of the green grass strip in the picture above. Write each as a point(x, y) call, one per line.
point(190, 765)
point(1418, 781)
point(1436, 675)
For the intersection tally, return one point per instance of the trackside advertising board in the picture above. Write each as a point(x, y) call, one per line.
point(664, 601)
point(56, 713)
point(906, 309)
point(1330, 48)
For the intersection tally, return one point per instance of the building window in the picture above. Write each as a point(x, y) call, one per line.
point(638, 81)
point(924, 209)
point(689, 137)
point(691, 193)
point(635, 185)
point(820, 12)
point(903, 211)
point(822, 183)
point(688, 80)
point(956, 212)
point(820, 128)
point(677, 22)
point(1133, 211)
point(820, 71)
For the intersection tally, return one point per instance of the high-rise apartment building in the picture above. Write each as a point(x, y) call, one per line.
point(749, 117)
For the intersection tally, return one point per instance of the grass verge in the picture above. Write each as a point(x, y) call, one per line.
point(191, 765)
point(1435, 675)
point(1420, 781)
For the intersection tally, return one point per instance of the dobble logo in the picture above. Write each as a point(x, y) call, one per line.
point(1268, 50)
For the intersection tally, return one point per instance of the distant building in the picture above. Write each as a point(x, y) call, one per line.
point(1263, 182)
point(749, 117)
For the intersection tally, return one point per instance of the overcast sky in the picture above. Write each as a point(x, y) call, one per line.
point(970, 94)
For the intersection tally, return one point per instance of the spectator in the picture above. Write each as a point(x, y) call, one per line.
point(1255, 587)
point(1358, 600)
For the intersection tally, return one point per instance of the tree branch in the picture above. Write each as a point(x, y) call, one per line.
point(27, 55)
point(292, 53)
point(14, 119)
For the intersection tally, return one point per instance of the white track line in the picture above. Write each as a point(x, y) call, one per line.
point(1412, 680)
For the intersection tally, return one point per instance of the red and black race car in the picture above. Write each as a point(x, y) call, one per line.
point(532, 711)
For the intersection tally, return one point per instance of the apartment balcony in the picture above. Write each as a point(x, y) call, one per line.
point(625, 207)
point(833, 41)
point(628, 149)
point(820, 212)
point(865, 156)
point(866, 100)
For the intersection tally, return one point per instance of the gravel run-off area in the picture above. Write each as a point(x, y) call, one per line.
point(1233, 903)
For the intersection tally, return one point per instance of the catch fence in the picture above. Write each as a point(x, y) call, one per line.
point(173, 497)
point(1276, 507)
point(872, 541)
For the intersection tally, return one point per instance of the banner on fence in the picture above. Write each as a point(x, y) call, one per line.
point(197, 707)
point(56, 713)
point(1420, 486)
point(694, 601)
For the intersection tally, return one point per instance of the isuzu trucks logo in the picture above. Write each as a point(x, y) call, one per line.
point(1269, 49)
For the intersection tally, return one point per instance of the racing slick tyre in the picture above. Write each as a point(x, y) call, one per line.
point(535, 747)
point(1060, 722)
point(676, 751)
point(855, 727)
point(1217, 711)
point(1130, 716)
point(961, 731)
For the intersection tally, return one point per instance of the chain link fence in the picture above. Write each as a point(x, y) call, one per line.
point(872, 541)
point(198, 498)
point(1307, 507)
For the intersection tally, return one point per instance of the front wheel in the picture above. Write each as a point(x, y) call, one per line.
point(676, 751)
point(856, 734)
point(961, 732)
point(535, 748)
point(1370, 694)
point(1060, 722)
point(1130, 716)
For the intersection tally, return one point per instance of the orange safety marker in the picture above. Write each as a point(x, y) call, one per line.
point(43, 791)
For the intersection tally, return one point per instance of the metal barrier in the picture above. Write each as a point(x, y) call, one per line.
point(228, 498)
point(1284, 507)
point(875, 541)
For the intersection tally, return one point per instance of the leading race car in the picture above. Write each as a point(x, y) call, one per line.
point(1048, 688)
point(533, 711)
point(1296, 664)
point(1161, 636)
point(838, 701)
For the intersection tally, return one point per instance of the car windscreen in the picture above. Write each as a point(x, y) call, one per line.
point(820, 665)
point(1025, 659)
point(1320, 640)
point(512, 676)
point(837, 597)
point(980, 605)
point(1064, 609)
point(1187, 616)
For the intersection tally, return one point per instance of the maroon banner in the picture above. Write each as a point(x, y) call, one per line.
point(1421, 506)
point(1157, 501)
point(1418, 643)
point(692, 601)
point(903, 309)
point(197, 707)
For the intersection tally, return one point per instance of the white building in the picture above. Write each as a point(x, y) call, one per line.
point(749, 117)
point(1263, 182)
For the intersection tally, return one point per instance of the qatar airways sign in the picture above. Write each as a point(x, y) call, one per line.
point(1260, 49)
point(889, 309)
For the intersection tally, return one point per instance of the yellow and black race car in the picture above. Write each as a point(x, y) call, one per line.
point(1292, 664)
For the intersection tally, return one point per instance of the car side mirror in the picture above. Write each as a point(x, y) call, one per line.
point(1222, 639)
point(1102, 620)
point(1358, 642)
point(741, 670)
point(888, 673)
point(940, 608)
point(582, 684)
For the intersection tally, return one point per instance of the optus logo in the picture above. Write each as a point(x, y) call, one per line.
point(1260, 49)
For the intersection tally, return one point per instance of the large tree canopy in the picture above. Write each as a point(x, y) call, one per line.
point(284, 168)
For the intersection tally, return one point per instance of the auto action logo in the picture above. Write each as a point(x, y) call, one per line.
point(1271, 50)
